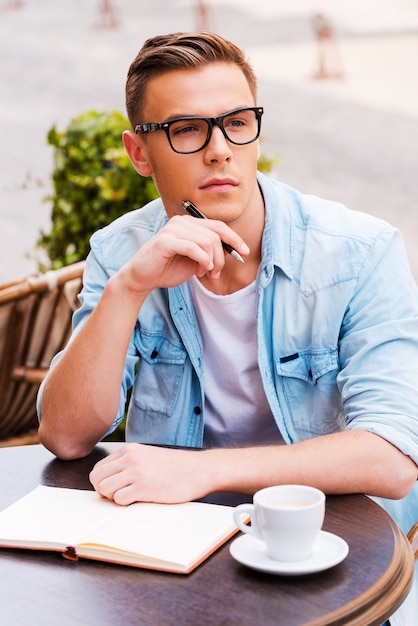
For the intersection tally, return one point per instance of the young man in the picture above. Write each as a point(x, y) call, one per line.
point(312, 341)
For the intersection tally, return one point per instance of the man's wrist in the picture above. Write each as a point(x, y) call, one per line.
point(124, 285)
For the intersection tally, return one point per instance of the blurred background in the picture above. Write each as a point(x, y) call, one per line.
point(338, 80)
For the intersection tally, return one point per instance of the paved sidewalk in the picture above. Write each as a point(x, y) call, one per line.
point(353, 140)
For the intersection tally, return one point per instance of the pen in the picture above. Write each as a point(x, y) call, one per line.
point(194, 211)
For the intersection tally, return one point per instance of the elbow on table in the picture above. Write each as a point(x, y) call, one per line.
point(402, 481)
point(63, 447)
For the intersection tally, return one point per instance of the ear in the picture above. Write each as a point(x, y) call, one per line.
point(137, 152)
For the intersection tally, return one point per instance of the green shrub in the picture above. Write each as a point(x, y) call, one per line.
point(94, 182)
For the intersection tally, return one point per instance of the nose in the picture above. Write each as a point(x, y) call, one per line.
point(218, 148)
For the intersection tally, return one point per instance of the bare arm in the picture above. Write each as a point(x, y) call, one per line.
point(81, 394)
point(346, 462)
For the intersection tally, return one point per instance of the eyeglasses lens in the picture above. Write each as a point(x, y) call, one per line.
point(190, 135)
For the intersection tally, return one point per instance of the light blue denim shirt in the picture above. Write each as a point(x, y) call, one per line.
point(337, 326)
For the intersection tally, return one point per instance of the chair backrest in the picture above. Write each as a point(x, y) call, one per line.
point(413, 538)
point(35, 323)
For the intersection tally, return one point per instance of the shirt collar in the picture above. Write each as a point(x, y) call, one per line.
point(277, 237)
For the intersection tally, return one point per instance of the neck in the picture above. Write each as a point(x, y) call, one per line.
point(235, 275)
point(231, 279)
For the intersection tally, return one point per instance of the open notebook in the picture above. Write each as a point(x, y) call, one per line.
point(170, 537)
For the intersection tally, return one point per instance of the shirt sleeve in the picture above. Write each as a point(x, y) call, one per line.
point(378, 379)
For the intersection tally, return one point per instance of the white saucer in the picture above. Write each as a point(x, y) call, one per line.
point(329, 550)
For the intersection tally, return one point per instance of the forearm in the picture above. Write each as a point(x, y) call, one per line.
point(347, 462)
point(82, 392)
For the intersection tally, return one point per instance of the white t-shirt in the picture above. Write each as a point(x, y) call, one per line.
point(236, 409)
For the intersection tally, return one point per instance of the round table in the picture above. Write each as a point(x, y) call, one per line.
point(46, 589)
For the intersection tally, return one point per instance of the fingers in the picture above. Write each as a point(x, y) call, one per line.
point(202, 241)
point(207, 235)
point(102, 476)
point(141, 473)
point(223, 233)
point(200, 245)
point(128, 475)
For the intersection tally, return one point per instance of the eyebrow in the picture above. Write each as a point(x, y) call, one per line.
point(193, 115)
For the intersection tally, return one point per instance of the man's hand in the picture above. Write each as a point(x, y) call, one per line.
point(141, 473)
point(184, 247)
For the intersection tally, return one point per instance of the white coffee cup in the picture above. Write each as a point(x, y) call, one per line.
point(287, 518)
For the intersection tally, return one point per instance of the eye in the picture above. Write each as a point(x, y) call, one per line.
point(186, 127)
point(237, 122)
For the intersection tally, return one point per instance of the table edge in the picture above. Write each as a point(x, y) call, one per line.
point(399, 574)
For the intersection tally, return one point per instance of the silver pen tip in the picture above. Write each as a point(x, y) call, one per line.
point(237, 256)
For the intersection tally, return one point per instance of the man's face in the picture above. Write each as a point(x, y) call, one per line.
point(221, 178)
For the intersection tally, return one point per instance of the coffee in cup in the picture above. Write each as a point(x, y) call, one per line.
point(287, 518)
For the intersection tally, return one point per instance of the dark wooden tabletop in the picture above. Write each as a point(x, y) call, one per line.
point(43, 588)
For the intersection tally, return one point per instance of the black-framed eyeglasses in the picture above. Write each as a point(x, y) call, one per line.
point(191, 134)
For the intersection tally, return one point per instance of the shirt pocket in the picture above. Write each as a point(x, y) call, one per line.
point(308, 382)
point(160, 371)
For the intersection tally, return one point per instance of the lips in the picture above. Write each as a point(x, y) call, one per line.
point(219, 184)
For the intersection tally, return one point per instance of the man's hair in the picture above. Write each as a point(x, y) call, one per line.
point(178, 51)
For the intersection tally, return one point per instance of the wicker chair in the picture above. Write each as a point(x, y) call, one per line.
point(413, 538)
point(407, 614)
point(35, 323)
